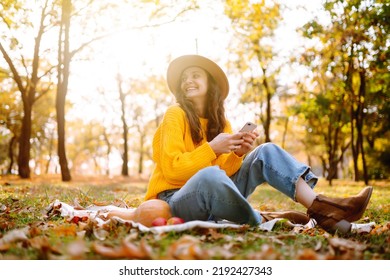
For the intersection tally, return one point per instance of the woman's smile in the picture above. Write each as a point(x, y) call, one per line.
point(194, 82)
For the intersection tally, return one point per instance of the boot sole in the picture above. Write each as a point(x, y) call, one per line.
point(357, 216)
point(342, 226)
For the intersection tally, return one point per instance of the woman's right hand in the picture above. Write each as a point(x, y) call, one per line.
point(226, 143)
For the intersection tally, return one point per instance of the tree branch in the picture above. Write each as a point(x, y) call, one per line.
point(15, 73)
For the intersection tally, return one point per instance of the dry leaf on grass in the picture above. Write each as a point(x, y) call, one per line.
point(100, 233)
point(126, 250)
point(308, 254)
point(266, 252)
point(381, 229)
point(345, 244)
point(341, 248)
point(65, 230)
point(42, 244)
point(77, 249)
point(187, 248)
point(13, 236)
point(210, 234)
point(3, 208)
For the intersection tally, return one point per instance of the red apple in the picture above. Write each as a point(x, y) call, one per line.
point(175, 221)
point(159, 222)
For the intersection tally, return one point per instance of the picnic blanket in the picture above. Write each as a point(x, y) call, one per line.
point(99, 215)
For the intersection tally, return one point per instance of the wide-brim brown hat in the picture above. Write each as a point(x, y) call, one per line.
point(178, 65)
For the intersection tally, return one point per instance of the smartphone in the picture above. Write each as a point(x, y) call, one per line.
point(248, 127)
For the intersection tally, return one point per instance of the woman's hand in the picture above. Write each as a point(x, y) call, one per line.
point(227, 143)
point(247, 145)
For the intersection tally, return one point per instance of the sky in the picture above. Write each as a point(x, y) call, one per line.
point(134, 53)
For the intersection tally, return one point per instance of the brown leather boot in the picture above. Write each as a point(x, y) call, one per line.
point(295, 217)
point(336, 214)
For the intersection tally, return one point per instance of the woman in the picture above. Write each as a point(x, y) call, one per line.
point(203, 170)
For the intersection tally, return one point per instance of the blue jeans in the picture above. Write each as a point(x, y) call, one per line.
point(211, 193)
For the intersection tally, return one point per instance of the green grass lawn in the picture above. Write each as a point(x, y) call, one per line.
point(23, 204)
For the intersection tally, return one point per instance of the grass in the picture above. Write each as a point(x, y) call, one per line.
point(23, 204)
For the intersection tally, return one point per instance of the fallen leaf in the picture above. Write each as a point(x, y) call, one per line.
point(120, 203)
point(6, 225)
point(308, 254)
point(211, 233)
point(380, 229)
point(266, 252)
point(187, 248)
point(14, 236)
point(223, 252)
point(4, 247)
point(146, 248)
point(35, 230)
point(110, 252)
point(125, 250)
point(43, 247)
point(101, 203)
point(77, 205)
point(134, 252)
point(100, 233)
point(345, 249)
point(77, 249)
point(3, 208)
point(345, 244)
point(286, 236)
point(318, 246)
point(66, 230)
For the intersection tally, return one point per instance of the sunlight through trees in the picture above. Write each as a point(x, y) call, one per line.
point(319, 89)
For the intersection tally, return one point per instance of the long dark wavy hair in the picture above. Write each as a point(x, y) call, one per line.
point(214, 112)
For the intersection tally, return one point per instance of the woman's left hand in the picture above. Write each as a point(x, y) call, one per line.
point(247, 145)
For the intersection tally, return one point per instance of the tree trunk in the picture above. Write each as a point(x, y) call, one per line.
point(353, 117)
point(268, 115)
point(28, 93)
point(335, 146)
point(65, 173)
point(332, 151)
point(125, 156)
point(330, 157)
point(24, 144)
point(285, 133)
point(354, 148)
point(141, 153)
point(62, 86)
point(268, 92)
point(359, 127)
point(50, 152)
point(122, 98)
point(267, 126)
point(108, 144)
point(11, 154)
point(28, 99)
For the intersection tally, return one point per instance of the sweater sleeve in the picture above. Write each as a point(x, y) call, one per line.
point(178, 162)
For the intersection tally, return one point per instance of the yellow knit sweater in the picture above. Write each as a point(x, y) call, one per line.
point(176, 156)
